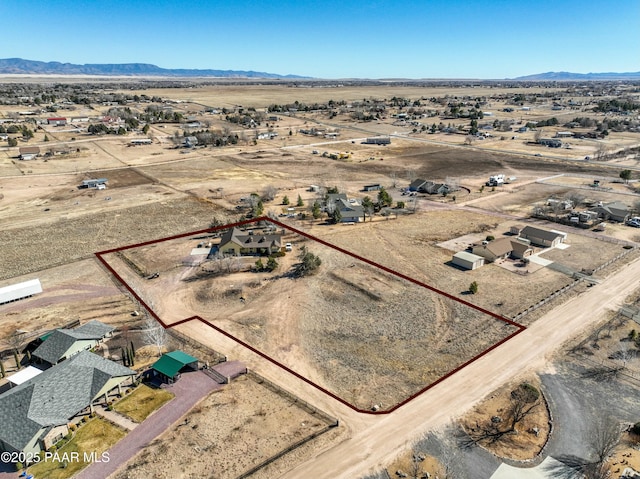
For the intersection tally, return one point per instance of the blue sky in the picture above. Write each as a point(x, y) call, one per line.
point(332, 38)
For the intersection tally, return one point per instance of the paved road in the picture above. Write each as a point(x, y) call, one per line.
point(377, 440)
point(189, 390)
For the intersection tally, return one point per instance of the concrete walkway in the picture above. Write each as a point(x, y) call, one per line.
point(116, 418)
point(189, 390)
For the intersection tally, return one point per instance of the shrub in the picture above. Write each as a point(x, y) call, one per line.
point(473, 288)
point(52, 449)
point(490, 238)
point(19, 466)
point(72, 427)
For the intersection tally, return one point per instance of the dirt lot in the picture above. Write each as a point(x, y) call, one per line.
point(228, 433)
point(316, 325)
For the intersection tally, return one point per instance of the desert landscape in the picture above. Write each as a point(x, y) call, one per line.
point(386, 185)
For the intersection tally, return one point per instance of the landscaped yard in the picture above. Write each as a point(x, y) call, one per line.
point(89, 442)
point(142, 402)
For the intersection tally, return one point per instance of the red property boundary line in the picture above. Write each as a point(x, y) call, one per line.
point(519, 327)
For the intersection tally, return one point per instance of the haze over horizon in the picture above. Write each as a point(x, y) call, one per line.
point(331, 39)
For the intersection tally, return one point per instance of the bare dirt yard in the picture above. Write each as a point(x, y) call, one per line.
point(228, 433)
point(371, 337)
point(495, 414)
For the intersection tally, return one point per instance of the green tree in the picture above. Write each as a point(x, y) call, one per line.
point(474, 127)
point(145, 129)
point(271, 264)
point(309, 263)
point(315, 211)
point(12, 142)
point(625, 175)
point(285, 200)
point(384, 198)
point(473, 288)
point(46, 138)
point(400, 204)
point(335, 216)
point(300, 202)
point(368, 207)
point(259, 265)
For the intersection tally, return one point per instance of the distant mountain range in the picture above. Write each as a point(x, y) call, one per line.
point(31, 67)
point(568, 76)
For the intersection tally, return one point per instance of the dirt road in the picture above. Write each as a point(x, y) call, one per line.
point(376, 440)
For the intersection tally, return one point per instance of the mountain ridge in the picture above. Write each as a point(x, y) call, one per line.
point(568, 76)
point(20, 66)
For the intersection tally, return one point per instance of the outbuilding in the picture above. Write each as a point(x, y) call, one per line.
point(15, 292)
point(170, 365)
point(467, 260)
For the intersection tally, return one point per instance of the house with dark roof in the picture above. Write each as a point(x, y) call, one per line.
point(35, 415)
point(350, 212)
point(415, 185)
point(170, 365)
point(64, 343)
point(614, 211)
point(540, 237)
point(235, 241)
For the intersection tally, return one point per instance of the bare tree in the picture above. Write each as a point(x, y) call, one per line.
point(603, 440)
point(522, 402)
point(537, 135)
point(155, 334)
point(269, 193)
point(575, 197)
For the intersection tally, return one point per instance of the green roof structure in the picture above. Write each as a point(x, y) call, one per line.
point(170, 364)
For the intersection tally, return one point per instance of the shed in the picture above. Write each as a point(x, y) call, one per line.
point(467, 260)
point(515, 230)
point(170, 365)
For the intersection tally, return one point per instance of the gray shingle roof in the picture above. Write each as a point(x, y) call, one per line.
point(58, 343)
point(245, 240)
point(53, 397)
point(96, 328)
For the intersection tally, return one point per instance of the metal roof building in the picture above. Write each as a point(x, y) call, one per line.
point(170, 364)
point(14, 292)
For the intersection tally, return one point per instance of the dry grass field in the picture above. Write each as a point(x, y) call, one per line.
point(228, 433)
point(262, 96)
point(370, 337)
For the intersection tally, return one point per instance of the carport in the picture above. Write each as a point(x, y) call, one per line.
point(170, 365)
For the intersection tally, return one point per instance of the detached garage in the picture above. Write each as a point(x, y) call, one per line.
point(467, 260)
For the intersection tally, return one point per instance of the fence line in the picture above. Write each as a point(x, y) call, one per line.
point(287, 450)
point(544, 301)
point(292, 397)
point(216, 357)
point(330, 421)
